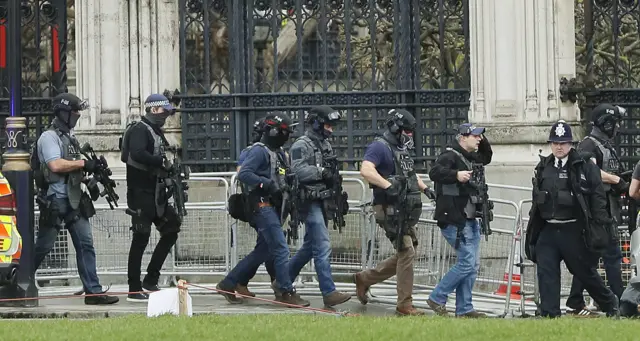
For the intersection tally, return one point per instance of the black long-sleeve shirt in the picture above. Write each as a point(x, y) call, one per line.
point(141, 150)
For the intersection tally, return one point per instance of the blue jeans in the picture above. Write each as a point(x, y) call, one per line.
point(317, 245)
point(82, 238)
point(462, 276)
point(270, 244)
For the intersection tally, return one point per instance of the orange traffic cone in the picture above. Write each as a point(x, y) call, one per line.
point(515, 276)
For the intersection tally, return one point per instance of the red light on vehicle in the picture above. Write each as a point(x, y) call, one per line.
point(8, 204)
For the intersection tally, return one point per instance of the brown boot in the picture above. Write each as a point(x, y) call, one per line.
point(408, 311)
point(361, 289)
point(335, 298)
point(276, 290)
point(229, 294)
point(439, 309)
point(473, 314)
point(293, 299)
point(242, 290)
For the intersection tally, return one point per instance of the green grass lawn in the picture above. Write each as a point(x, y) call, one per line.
point(318, 328)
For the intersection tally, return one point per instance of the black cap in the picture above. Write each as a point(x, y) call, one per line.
point(560, 132)
point(469, 129)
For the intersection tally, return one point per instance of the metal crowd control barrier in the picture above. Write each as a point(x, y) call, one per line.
point(434, 258)
point(347, 247)
point(211, 243)
point(195, 252)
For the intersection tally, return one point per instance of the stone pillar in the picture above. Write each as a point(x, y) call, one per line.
point(519, 52)
point(124, 53)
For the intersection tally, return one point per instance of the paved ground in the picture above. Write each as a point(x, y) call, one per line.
point(208, 302)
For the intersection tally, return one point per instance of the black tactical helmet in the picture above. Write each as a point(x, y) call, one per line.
point(323, 114)
point(606, 118)
point(258, 127)
point(68, 102)
point(279, 121)
point(401, 120)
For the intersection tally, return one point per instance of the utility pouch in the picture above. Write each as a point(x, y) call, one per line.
point(565, 198)
point(86, 208)
point(541, 197)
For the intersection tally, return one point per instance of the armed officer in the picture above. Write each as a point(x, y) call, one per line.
point(397, 204)
point(307, 163)
point(606, 121)
point(568, 221)
point(264, 172)
point(59, 178)
point(244, 278)
point(143, 151)
point(457, 216)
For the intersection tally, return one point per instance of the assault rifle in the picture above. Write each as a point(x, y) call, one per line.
point(478, 181)
point(339, 196)
point(176, 183)
point(291, 206)
point(101, 175)
point(399, 212)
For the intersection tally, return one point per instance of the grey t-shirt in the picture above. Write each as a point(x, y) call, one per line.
point(50, 148)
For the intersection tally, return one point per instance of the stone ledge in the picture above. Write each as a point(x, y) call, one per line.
point(526, 133)
point(105, 139)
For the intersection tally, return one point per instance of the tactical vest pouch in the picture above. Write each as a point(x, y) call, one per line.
point(49, 212)
point(451, 189)
point(541, 197)
point(319, 195)
point(565, 198)
point(86, 208)
point(240, 207)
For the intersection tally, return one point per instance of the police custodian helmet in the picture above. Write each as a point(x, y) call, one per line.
point(560, 132)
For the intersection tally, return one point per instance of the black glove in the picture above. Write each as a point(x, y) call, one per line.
point(271, 188)
point(393, 191)
point(429, 193)
point(621, 187)
point(327, 176)
point(90, 165)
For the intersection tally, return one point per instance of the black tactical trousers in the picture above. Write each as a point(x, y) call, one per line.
point(168, 227)
point(564, 242)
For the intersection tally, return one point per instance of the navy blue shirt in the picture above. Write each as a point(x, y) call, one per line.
point(381, 156)
point(256, 167)
point(243, 155)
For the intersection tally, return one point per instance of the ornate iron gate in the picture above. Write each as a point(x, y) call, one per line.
point(44, 75)
point(44, 60)
point(243, 58)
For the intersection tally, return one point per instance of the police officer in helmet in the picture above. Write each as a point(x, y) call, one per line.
point(397, 204)
point(61, 173)
point(244, 278)
point(263, 172)
point(143, 151)
point(599, 144)
point(308, 154)
point(457, 207)
point(569, 222)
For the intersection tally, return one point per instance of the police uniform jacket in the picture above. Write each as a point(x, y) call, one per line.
point(450, 209)
point(588, 194)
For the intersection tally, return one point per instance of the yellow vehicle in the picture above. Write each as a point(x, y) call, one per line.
point(10, 239)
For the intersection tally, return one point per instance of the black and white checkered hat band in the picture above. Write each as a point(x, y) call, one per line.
point(156, 104)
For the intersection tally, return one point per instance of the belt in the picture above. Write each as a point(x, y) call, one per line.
point(264, 204)
point(556, 221)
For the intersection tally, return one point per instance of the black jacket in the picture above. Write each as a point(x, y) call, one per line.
point(589, 194)
point(141, 150)
point(450, 209)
